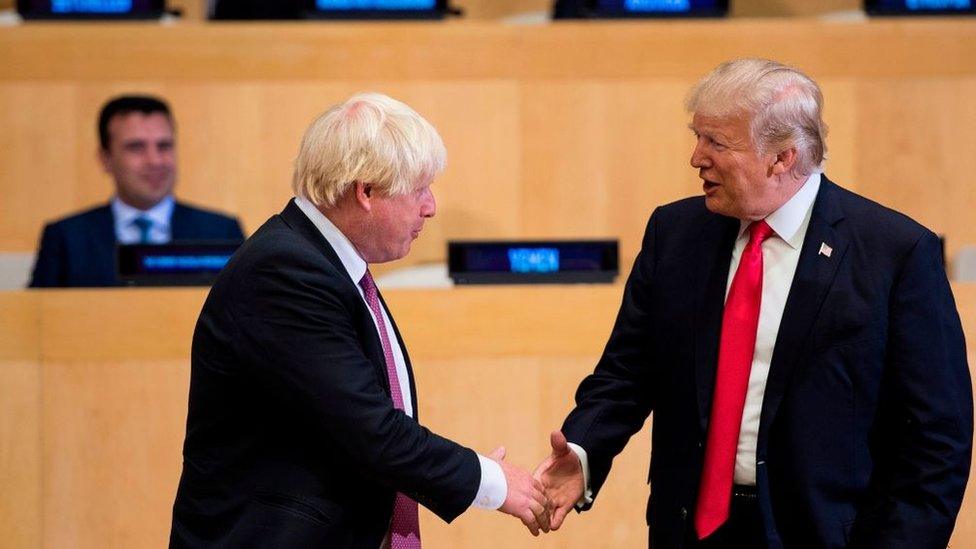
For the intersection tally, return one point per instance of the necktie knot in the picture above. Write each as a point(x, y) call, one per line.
point(367, 283)
point(759, 231)
point(144, 224)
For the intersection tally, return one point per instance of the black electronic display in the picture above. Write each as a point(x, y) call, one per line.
point(919, 7)
point(182, 263)
point(91, 9)
point(640, 8)
point(532, 262)
point(376, 9)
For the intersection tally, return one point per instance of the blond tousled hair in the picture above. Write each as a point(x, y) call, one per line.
point(784, 104)
point(370, 138)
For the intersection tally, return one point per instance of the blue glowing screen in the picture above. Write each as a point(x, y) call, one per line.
point(909, 6)
point(91, 6)
point(184, 263)
point(531, 259)
point(660, 6)
point(534, 260)
point(374, 5)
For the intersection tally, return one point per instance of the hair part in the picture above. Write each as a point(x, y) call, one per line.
point(126, 104)
point(785, 107)
point(371, 138)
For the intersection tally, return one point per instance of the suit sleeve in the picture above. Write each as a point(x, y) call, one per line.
point(928, 372)
point(613, 402)
point(49, 264)
point(298, 335)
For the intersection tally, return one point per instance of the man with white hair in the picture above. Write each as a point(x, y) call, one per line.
point(798, 345)
point(302, 428)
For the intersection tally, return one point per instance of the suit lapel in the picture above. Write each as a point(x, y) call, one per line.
point(298, 221)
point(178, 223)
point(104, 243)
point(711, 278)
point(406, 357)
point(815, 274)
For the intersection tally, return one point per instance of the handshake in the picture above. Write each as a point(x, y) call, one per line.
point(542, 500)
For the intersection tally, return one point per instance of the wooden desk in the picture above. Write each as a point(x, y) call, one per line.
point(93, 388)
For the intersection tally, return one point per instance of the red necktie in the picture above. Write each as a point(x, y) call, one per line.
point(736, 348)
point(405, 526)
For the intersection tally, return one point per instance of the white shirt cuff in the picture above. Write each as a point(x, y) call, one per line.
point(587, 496)
point(493, 488)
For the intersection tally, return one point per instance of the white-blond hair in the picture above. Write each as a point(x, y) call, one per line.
point(371, 138)
point(785, 106)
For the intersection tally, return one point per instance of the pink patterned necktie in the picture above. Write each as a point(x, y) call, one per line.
point(737, 344)
point(405, 526)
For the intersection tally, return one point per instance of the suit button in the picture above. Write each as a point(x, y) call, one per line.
point(684, 513)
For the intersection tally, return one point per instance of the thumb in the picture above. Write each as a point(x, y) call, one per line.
point(558, 441)
point(498, 454)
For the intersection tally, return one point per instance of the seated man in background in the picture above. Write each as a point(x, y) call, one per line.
point(138, 150)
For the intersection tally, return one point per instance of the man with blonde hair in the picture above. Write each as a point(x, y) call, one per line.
point(302, 428)
point(798, 344)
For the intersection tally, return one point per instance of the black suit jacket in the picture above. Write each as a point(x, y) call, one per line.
point(866, 424)
point(79, 250)
point(292, 438)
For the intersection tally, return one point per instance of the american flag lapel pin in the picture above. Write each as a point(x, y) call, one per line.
point(825, 250)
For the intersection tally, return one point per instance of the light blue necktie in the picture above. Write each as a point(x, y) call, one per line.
point(144, 225)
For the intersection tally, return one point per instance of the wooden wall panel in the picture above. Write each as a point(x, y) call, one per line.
point(20, 428)
point(39, 153)
point(921, 165)
point(113, 434)
point(557, 131)
point(794, 8)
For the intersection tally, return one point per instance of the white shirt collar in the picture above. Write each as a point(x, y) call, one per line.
point(353, 262)
point(790, 217)
point(160, 214)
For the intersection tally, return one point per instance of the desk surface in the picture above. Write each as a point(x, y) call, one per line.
point(93, 391)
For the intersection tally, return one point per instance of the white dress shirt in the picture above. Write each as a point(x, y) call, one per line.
point(126, 232)
point(493, 488)
point(781, 254)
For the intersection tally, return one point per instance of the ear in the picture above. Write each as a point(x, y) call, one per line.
point(784, 162)
point(103, 159)
point(364, 195)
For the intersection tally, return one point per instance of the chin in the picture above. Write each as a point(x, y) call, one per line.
point(714, 205)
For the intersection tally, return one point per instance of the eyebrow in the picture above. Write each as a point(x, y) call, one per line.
point(712, 134)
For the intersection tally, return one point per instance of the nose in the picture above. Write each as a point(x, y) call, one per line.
point(155, 155)
point(698, 158)
point(428, 205)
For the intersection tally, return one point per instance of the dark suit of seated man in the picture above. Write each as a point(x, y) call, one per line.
point(302, 427)
point(138, 150)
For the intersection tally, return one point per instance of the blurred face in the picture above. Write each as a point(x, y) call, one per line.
point(739, 181)
point(141, 157)
point(394, 222)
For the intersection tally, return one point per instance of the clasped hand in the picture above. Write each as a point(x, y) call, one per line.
point(542, 500)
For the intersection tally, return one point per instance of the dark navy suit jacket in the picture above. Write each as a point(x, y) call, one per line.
point(866, 425)
point(292, 440)
point(79, 250)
